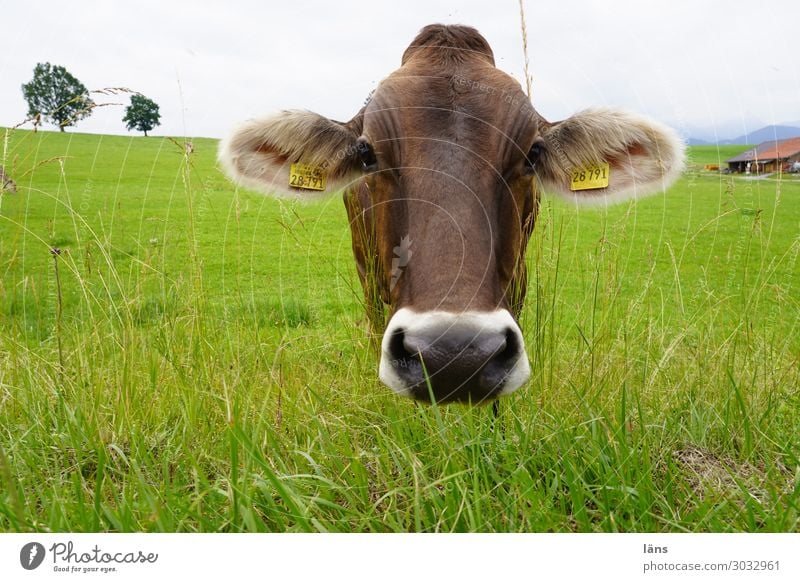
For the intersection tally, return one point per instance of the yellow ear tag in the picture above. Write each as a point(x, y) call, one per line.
point(306, 177)
point(590, 178)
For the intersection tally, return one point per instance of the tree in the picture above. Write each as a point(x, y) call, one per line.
point(142, 114)
point(56, 96)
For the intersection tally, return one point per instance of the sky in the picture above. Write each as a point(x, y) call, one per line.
point(708, 68)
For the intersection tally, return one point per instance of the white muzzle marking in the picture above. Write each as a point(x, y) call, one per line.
point(435, 325)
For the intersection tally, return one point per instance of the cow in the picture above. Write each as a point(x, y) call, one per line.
point(441, 171)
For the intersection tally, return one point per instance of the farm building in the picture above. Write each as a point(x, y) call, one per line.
point(769, 156)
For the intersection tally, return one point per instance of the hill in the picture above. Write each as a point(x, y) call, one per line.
point(769, 132)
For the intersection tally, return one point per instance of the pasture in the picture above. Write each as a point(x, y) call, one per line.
point(195, 358)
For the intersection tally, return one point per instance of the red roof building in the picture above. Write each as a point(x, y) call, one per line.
point(769, 156)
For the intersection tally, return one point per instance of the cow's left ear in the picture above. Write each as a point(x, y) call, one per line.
point(607, 155)
point(259, 154)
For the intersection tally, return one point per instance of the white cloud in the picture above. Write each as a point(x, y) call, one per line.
point(211, 64)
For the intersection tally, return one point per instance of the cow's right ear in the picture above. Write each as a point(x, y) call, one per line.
point(259, 154)
point(608, 155)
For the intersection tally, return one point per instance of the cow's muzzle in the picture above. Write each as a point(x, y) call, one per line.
point(453, 357)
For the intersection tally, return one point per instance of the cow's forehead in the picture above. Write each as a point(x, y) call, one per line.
point(425, 101)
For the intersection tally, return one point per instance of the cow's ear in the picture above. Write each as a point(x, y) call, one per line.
point(259, 154)
point(636, 155)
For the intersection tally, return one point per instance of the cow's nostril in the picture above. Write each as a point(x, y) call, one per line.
point(404, 351)
point(512, 348)
point(397, 342)
point(412, 345)
point(502, 346)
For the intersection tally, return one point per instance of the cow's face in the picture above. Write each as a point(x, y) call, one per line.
point(441, 168)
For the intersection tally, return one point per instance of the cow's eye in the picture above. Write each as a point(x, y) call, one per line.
point(366, 154)
point(534, 154)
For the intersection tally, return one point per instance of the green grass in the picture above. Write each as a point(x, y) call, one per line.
point(199, 362)
point(699, 156)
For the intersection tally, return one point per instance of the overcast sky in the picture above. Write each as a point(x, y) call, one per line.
point(700, 66)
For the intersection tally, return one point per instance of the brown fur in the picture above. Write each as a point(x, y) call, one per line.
point(451, 133)
point(437, 42)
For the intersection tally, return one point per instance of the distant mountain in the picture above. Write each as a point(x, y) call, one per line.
point(768, 133)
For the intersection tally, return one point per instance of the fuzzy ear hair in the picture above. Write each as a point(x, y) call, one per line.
point(259, 153)
point(643, 156)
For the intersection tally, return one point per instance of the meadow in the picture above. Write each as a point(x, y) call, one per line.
point(180, 355)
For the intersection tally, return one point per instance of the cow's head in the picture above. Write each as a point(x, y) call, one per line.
point(440, 171)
